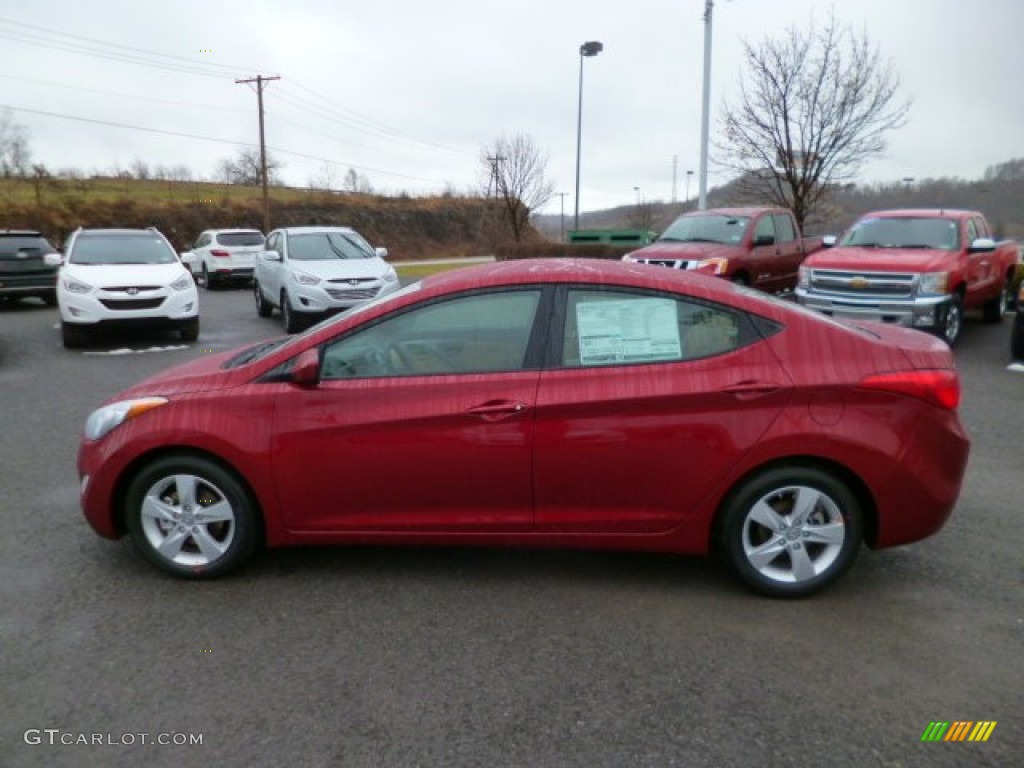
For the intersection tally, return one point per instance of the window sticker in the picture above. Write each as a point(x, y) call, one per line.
point(627, 331)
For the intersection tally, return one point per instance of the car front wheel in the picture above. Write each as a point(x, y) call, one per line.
point(790, 531)
point(191, 517)
point(289, 317)
point(263, 307)
point(189, 330)
point(952, 321)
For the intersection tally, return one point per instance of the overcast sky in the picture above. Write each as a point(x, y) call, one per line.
point(407, 92)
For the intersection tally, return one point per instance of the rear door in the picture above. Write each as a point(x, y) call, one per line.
point(652, 399)
point(764, 266)
point(789, 253)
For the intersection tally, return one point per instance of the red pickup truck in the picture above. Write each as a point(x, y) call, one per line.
point(919, 268)
point(759, 247)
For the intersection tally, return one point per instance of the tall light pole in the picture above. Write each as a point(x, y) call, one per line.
point(689, 175)
point(591, 48)
point(702, 198)
point(562, 217)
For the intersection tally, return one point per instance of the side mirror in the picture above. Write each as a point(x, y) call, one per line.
point(271, 256)
point(306, 371)
point(381, 252)
point(53, 259)
point(983, 244)
point(764, 240)
point(828, 241)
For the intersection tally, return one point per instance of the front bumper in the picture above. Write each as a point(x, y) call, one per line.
point(101, 306)
point(922, 312)
point(337, 296)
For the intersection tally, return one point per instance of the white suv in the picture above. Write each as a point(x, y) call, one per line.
point(309, 272)
point(223, 255)
point(121, 276)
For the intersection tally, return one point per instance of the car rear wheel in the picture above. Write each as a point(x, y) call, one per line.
point(790, 531)
point(210, 283)
point(71, 336)
point(191, 517)
point(263, 307)
point(995, 308)
point(289, 318)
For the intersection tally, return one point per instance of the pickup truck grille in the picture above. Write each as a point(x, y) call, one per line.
point(896, 285)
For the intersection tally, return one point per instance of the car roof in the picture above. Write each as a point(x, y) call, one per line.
point(924, 213)
point(117, 232)
point(233, 231)
point(312, 230)
point(20, 233)
point(747, 211)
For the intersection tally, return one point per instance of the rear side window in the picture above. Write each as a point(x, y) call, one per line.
point(240, 238)
point(623, 328)
point(784, 232)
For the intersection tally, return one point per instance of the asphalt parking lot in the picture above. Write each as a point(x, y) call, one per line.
point(430, 657)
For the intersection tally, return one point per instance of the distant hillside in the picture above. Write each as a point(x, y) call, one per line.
point(411, 228)
point(1000, 199)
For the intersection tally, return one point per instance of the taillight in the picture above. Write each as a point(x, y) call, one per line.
point(221, 254)
point(938, 387)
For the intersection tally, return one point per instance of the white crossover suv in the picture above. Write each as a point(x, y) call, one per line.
point(121, 276)
point(221, 256)
point(310, 272)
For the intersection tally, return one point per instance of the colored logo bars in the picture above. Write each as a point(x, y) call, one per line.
point(959, 730)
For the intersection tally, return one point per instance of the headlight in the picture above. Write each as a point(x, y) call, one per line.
point(390, 276)
point(183, 283)
point(629, 257)
point(104, 419)
point(303, 279)
point(718, 266)
point(934, 283)
point(803, 279)
point(74, 286)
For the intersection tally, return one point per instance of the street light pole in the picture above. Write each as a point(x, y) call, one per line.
point(702, 199)
point(562, 218)
point(591, 48)
point(689, 175)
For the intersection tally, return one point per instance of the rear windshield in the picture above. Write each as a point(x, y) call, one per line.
point(121, 249)
point(322, 246)
point(240, 238)
point(11, 244)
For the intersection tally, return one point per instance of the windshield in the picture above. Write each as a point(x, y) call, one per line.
point(904, 232)
point(240, 238)
point(121, 249)
point(714, 228)
point(322, 246)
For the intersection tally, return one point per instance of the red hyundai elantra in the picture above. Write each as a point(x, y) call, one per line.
point(554, 403)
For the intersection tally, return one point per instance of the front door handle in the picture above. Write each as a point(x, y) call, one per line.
point(751, 389)
point(493, 410)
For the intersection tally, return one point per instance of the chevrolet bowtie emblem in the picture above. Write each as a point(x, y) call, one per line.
point(860, 282)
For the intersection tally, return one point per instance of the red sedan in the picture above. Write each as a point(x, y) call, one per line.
point(561, 403)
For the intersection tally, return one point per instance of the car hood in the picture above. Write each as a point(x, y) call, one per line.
point(111, 275)
point(343, 269)
point(880, 259)
point(202, 375)
point(684, 251)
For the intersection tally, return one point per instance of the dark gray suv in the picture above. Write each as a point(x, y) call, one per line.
point(28, 266)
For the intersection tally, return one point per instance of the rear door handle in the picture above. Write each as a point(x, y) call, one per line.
point(493, 410)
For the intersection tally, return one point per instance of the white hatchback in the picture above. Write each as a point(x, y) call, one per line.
point(309, 272)
point(121, 276)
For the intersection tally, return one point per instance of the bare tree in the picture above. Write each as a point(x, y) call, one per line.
point(356, 182)
point(515, 172)
point(15, 155)
point(814, 106)
point(244, 168)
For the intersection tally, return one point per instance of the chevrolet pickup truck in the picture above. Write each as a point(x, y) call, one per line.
point(759, 247)
point(918, 268)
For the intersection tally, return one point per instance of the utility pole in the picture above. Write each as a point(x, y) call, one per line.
point(702, 180)
point(675, 165)
point(260, 80)
point(562, 217)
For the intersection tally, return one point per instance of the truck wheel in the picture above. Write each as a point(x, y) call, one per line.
point(952, 321)
point(995, 308)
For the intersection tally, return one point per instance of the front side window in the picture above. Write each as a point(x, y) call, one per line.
point(480, 333)
point(622, 328)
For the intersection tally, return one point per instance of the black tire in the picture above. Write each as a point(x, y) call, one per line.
point(50, 298)
point(773, 551)
point(189, 330)
point(994, 309)
point(169, 530)
point(289, 318)
point(208, 281)
point(263, 307)
point(1017, 336)
point(952, 321)
point(741, 279)
point(72, 336)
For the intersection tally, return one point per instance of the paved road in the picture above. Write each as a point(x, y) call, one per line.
point(376, 657)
